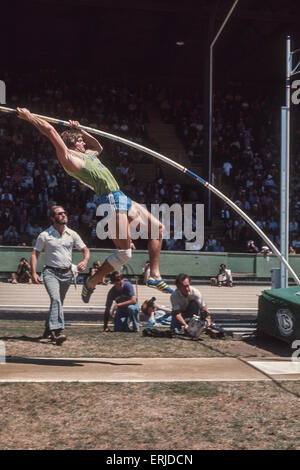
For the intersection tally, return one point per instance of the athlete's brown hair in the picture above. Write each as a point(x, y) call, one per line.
point(70, 137)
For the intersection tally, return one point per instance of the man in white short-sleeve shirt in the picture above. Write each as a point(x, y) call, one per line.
point(57, 242)
point(186, 301)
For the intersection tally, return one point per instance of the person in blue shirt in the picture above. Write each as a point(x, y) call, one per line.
point(218, 247)
point(126, 308)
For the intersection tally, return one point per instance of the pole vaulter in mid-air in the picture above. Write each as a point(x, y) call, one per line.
point(75, 159)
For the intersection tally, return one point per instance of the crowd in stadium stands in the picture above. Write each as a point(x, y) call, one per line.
point(245, 145)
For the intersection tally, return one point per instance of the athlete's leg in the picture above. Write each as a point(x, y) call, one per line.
point(154, 230)
point(122, 242)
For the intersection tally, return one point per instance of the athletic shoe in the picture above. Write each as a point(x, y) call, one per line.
point(60, 339)
point(86, 291)
point(159, 284)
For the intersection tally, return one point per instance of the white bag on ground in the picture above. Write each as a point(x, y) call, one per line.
point(196, 326)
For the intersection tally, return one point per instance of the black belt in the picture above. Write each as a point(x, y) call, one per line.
point(60, 270)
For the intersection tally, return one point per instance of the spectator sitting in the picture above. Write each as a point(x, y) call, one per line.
point(27, 181)
point(23, 273)
point(229, 230)
point(130, 175)
point(227, 167)
point(126, 308)
point(225, 212)
point(251, 247)
point(212, 240)
point(85, 221)
point(34, 231)
point(91, 205)
point(270, 183)
point(179, 245)
point(51, 181)
point(156, 314)
point(224, 277)
point(293, 227)
point(123, 167)
point(265, 250)
point(169, 244)
point(218, 248)
point(206, 246)
point(7, 195)
point(10, 235)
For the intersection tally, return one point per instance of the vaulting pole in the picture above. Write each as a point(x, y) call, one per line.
point(181, 168)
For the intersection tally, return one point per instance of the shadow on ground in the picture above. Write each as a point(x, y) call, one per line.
point(271, 344)
point(63, 362)
point(31, 339)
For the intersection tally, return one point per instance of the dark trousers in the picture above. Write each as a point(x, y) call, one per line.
point(193, 308)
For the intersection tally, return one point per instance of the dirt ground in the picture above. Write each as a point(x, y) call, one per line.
point(145, 416)
point(150, 416)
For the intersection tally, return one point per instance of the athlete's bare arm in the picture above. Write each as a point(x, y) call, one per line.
point(71, 161)
point(90, 141)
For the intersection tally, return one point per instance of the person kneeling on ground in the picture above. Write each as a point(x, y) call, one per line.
point(187, 301)
point(23, 273)
point(156, 314)
point(126, 308)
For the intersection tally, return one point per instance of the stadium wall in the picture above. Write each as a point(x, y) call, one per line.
point(199, 265)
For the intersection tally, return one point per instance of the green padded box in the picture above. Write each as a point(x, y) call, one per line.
point(279, 313)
